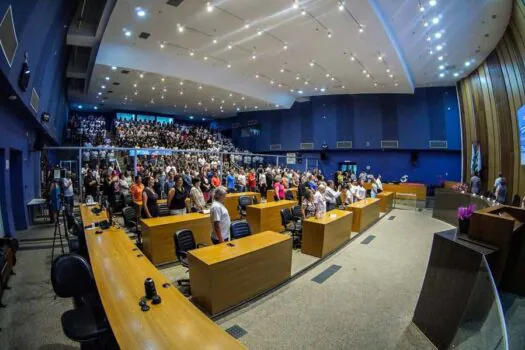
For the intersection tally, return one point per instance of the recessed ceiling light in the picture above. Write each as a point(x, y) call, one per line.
point(329, 35)
point(328, 75)
point(432, 2)
point(352, 58)
point(153, 88)
point(392, 76)
point(136, 93)
point(79, 106)
point(192, 53)
point(209, 7)
point(113, 68)
point(333, 78)
point(242, 98)
point(421, 9)
point(285, 47)
point(439, 48)
point(230, 47)
point(256, 107)
point(238, 109)
point(368, 75)
point(440, 58)
point(306, 83)
point(103, 86)
point(342, 87)
point(141, 75)
point(431, 52)
point(297, 78)
point(441, 75)
point(162, 79)
point(215, 41)
point(181, 83)
point(100, 93)
point(364, 71)
point(280, 85)
point(341, 6)
point(181, 92)
point(254, 56)
point(396, 84)
point(361, 29)
point(161, 45)
point(95, 108)
point(127, 33)
point(456, 74)
point(257, 76)
point(282, 70)
point(437, 35)
point(135, 85)
point(303, 12)
point(467, 63)
point(212, 98)
point(425, 24)
point(140, 12)
point(300, 91)
point(231, 95)
point(388, 70)
point(205, 58)
point(291, 90)
point(323, 89)
point(200, 87)
point(380, 57)
point(375, 84)
point(441, 67)
point(162, 97)
point(315, 89)
point(247, 25)
point(107, 78)
point(295, 4)
point(222, 101)
point(312, 63)
point(271, 82)
point(180, 28)
point(164, 90)
point(259, 32)
point(429, 38)
point(229, 65)
point(435, 20)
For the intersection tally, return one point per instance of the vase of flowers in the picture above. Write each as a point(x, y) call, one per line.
point(464, 214)
point(460, 187)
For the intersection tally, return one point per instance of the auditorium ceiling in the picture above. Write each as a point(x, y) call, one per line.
point(218, 58)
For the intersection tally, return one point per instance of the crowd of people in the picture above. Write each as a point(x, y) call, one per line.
point(88, 130)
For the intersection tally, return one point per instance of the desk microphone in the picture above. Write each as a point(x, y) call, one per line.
point(149, 287)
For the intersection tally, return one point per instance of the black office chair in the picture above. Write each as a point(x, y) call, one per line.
point(71, 277)
point(127, 200)
point(244, 201)
point(184, 242)
point(288, 195)
point(255, 201)
point(239, 188)
point(293, 225)
point(164, 210)
point(131, 222)
point(516, 201)
point(240, 229)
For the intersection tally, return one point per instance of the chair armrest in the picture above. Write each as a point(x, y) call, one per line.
point(182, 253)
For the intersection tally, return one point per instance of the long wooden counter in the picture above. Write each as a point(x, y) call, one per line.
point(420, 190)
point(157, 234)
point(232, 202)
point(386, 201)
point(271, 193)
point(324, 235)
point(267, 216)
point(89, 218)
point(366, 212)
point(226, 274)
point(120, 270)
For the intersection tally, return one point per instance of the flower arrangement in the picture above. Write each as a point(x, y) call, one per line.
point(464, 213)
point(460, 187)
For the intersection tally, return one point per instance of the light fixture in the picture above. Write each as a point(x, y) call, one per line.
point(271, 82)
point(127, 33)
point(368, 75)
point(467, 64)
point(231, 95)
point(280, 85)
point(107, 78)
point(295, 4)
point(285, 47)
point(392, 76)
point(200, 103)
point(329, 35)
point(431, 52)
point(256, 107)
point(375, 84)
point(352, 58)
point(162, 97)
point(328, 75)
point(180, 28)
point(192, 53)
point(162, 79)
point(440, 58)
point(113, 68)
point(212, 99)
point(141, 75)
point(161, 45)
point(441, 75)
point(388, 70)
point(164, 90)
point(95, 108)
point(209, 7)
point(229, 65)
point(181, 92)
point(435, 20)
point(215, 41)
point(429, 38)
point(306, 82)
point(136, 93)
point(259, 32)
point(282, 70)
point(439, 48)
point(342, 87)
point(432, 2)
point(134, 85)
point(140, 12)
point(437, 35)
point(396, 84)
point(254, 56)
point(238, 109)
point(441, 67)
point(276, 106)
point(456, 74)
point(247, 25)
point(361, 29)
point(242, 98)
point(103, 86)
point(300, 91)
point(364, 71)
point(341, 6)
point(421, 9)
point(153, 88)
point(200, 87)
point(256, 76)
point(297, 78)
point(425, 24)
point(380, 57)
point(333, 78)
point(205, 58)
point(229, 47)
point(312, 63)
point(100, 93)
point(323, 89)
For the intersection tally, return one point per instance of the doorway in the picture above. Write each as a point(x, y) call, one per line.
point(17, 189)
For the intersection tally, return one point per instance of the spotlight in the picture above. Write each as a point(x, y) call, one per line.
point(205, 58)
point(103, 86)
point(437, 35)
point(441, 67)
point(432, 2)
point(113, 68)
point(303, 12)
point(295, 4)
point(440, 58)
point(435, 20)
point(323, 89)
point(209, 7)
point(364, 71)
point(180, 28)
point(441, 75)
point(247, 25)
point(259, 32)
point(140, 12)
point(285, 47)
point(361, 29)
point(312, 64)
point(352, 58)
point(282, 70)
point(341, 6)
point(456, 74)
point(229, 47)
point(467, 64)
point(215, 41)
point(141, 75)
point(229, 65)
point(107, 78)
point(439, 48)
point(329, 35)
point(161, 45)
point(127, 33)
point(254, 56)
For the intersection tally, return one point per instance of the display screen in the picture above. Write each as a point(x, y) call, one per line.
point(164, 120)
point(125, 116)
point(145, 118)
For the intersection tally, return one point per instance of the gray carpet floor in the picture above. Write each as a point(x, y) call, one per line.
point(367, 304)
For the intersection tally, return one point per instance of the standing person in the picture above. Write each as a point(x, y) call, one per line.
point(196, 197)
point(278, 188)
point(501, 191)
point(187, 180)
point(215, 181)
point(91, 185)
point(251, 181)
point(54, 200)
point(308, 207)
point(108, 188)
point(241, 178)
point(349, 197)
point(124, 186)
point(170, 182)
point(67, 190)
point(137, 188)
point(205, 187)
point(177, 197)
point(379, 184)
point(230, 182)
point(374, 188)
point(331, 196)
point(150, 208)
point(320, 200)
point(475, 183)
point(262, 183)
point(220, 219)
point(360, 191)
point(302, 190)
point(498, 181)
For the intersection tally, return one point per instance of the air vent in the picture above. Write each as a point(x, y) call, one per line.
point(35, 100)
point(116, 83)
point(175, 3)
point(124, 71)
point(344, 144)
point(306, 145)
point(144, 35)
point(389, 144)
point(110, 91)
point(8, 39)
point(276, 147)
point(438, 144)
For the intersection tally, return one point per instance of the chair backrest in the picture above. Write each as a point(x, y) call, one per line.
point(129, 215)
point(255, 201)
point(297, 212)
point(286, 216)
point(516, 200)
point(164, 210)
point(240, 229)
point(244, 201)
point(288, 195)
point(128, 200)
point(71, 276)
point(184, 242)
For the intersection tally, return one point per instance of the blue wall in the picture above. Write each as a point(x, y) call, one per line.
point(413, 120)
point(41, 26)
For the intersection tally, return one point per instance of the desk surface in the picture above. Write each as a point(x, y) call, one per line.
point(385, 194)
point(223, 252)
point(159, 201)
point(88, 217)
point(364, 203)
point(238, 194)
point(271, 204)
point(174, 324)
point(172, 219)
point(329, 217)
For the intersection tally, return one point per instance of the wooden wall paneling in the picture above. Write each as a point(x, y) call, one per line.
point(465, 130)
point(469, 125)
point(480, 121)
point(490, 114)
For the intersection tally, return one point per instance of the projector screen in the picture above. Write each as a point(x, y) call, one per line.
point(521, 126)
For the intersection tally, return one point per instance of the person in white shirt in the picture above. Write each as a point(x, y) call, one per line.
point(331, 196)
point(374, 188)
point(220, 219)
point(379, 184)
point(320, 200)
point(241, 178)
point(262, 183)
point(360, 192)
point(349, 197)
point(498, 181)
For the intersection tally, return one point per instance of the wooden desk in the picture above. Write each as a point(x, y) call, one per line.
point(232, 202)
point(89, 218)
point(324, 235)
point(160, 201)
point(366, 212)
point(174, 324)
point(157, 234)
point(271, 193)
point(223, 276)
point(267, 216)
point(420, 190)
point(386, 201)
